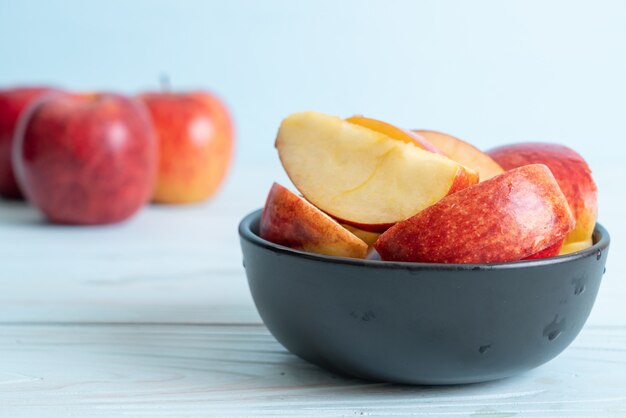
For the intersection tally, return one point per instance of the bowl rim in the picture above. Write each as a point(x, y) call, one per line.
point(600, 234)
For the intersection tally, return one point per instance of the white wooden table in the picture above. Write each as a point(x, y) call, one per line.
point(153, 318)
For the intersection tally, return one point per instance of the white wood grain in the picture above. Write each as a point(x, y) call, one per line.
point(204, 370)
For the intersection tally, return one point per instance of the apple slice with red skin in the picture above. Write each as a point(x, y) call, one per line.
point(507, 218)
point(551, 251)
point(360, 176)
point(290, 220)
point(464, 153)
point(571, 172)
point(394, 132)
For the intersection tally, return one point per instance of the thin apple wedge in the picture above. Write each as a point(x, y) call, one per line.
point(290, 220)
point(362, 177)
point(394, 132)
point(464, 153)
point(509, 217)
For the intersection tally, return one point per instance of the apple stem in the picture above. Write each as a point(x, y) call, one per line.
point(164, 80)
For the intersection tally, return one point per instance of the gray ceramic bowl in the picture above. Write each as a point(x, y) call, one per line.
point(421, 323)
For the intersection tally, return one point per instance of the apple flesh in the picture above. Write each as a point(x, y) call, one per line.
point(86, 159)
point(12, 103)
point(464, 153)
point(509, 217)
point(573, 247)
point(196, 141)
point(394, 132)
point(362, 177)
point(571, 172)
point(367, 236)
point(290, 220)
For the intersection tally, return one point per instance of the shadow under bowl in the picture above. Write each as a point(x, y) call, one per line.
point(421, 323)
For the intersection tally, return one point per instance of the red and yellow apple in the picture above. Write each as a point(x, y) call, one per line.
point(86, 159)
point(509, 217)
point(393, 132)
point(196, 142)
point(571, 172)
point(360, 176)
point(12, 102)
point(290, 220)
point(464, 153)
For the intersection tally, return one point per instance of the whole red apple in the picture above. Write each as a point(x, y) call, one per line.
point(12, 102)
point(196, 141)
point(86, 159)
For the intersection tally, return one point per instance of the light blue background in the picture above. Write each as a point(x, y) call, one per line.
point(487, 71)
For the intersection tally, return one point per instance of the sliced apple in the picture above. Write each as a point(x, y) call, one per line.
point(509, 217)
point(551, 251)
point(394, 132)
point(367, 236)
point(290, 220)
point(571, 172)
point(574, 247)
point(362, 177)
point(464, 153)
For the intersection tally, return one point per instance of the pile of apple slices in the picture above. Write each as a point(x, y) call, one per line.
point(424, 196)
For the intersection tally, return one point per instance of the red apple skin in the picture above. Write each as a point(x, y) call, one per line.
point(290, 220)
point(86, 159)
point(506, 218)
point(571, 172)
point(12, 102)
point(196, 140)
point(551, 251)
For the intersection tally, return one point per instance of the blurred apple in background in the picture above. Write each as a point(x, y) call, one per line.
point(195, 135)
point(12, 102)
point(86, 159)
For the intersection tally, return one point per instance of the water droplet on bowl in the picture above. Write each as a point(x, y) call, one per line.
point(484, 348)
point(599, 255)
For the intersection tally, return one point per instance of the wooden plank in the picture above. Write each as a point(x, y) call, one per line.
point(182, 264)
point(162, 370)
